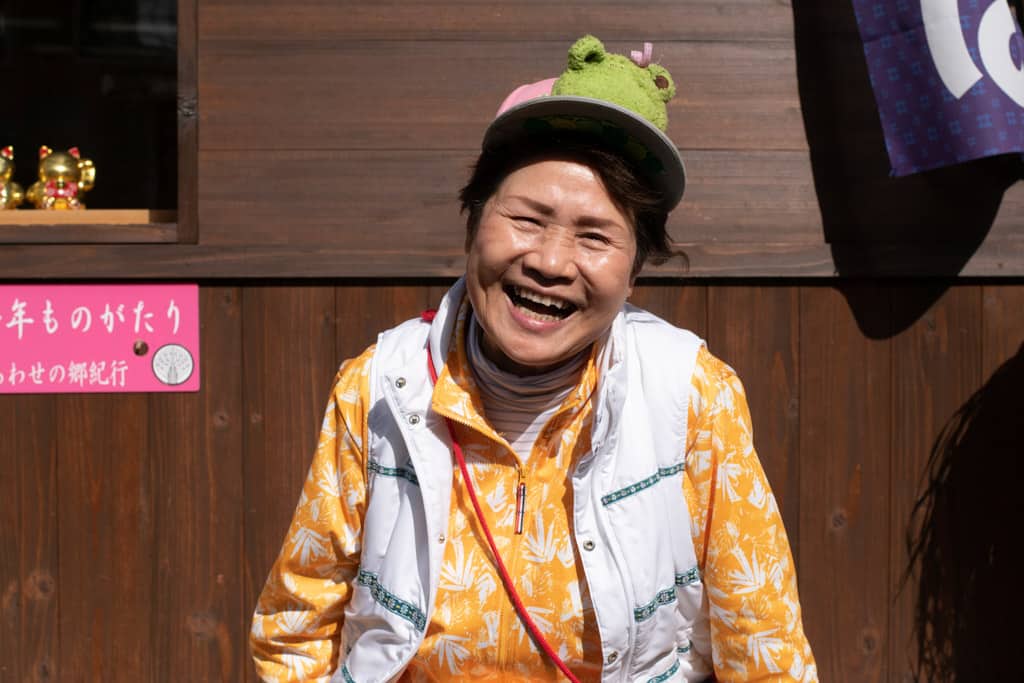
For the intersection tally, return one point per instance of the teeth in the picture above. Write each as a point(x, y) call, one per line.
point(539, 316)
point(541, 299)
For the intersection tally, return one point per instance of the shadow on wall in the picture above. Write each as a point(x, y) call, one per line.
point(927, 223)
point(967, 551)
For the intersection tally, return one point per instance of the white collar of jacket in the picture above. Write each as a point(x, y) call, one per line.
point(642, 577)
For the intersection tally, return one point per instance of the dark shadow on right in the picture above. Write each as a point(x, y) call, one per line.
point(967, 550)
point(926, 224)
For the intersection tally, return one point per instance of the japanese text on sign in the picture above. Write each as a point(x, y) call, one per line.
point(98, 338)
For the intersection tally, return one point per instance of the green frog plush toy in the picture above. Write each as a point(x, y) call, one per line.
point(617, 101)
point(633, 83)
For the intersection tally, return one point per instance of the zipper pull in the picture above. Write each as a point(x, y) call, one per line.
point(520, 507)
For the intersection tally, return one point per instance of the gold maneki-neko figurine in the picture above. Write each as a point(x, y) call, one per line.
point(63, 178)
point(11, 194)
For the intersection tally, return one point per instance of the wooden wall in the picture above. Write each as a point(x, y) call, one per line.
point(136, 530)
point(324, 141)
point(774, 116)
point(328, 139)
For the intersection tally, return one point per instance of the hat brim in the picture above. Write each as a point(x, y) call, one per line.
point(612, 126)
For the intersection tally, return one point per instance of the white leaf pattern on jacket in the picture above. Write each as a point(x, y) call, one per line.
point(755, 631)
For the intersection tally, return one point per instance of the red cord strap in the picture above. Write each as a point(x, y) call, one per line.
point(538, 637)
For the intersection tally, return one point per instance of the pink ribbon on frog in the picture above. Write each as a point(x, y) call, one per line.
point(67, 192)
point(642, 59)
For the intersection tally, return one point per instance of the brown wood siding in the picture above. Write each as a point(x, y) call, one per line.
point(322, 142)
point(732, 95)
point(137, 530)
point(320, 139)
point(844, 456)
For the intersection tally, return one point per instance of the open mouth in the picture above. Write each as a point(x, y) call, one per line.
point(539, 306)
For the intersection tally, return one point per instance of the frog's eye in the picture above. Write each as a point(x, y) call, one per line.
point(662, 81)
point(586, 50)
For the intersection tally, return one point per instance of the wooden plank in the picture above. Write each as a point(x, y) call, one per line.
point(735, 95)
point(756, 331)
point(198, 621)
point(10, 542)
point(355, 199)
point(861, 203)
point(845, 427)
point(195, 262)
point(106, 518)
point(747, 196)
point(936, 367)
point(188, 122)
point(35, 459)
point(112, 217)
point(322, 20)
point(367, 199)
point(1003, 325)
point(289, 362)
point(681, 303)
point(731, 196)
point(363, 311)
point(995, 258)
point(150, 233)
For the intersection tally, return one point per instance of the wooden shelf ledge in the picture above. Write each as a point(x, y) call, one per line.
point(88, 226)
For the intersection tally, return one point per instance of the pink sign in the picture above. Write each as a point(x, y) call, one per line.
point(98, 338)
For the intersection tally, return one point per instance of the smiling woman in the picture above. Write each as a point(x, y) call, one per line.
point(608, 518)
point(550, 265)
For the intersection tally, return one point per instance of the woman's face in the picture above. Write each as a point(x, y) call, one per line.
point(550, 265)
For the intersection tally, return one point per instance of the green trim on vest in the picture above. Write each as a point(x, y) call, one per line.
point(662, 473)
point(664, 597)
point(391, 602)
point(667, 675)
point(400, 472)
point(688, 577)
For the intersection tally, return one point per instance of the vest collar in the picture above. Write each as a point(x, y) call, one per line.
point(456, 395)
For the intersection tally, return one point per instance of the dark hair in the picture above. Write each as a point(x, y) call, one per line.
point(624, 184)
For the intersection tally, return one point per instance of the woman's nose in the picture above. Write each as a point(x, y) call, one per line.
point(552, 256)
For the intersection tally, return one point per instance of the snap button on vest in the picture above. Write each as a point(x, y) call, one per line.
point(612, 657)
point(400, 382)
point(588, 545)
point(414, 419)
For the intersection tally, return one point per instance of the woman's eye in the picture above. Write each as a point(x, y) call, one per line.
point(595, 237)
point(526, 219)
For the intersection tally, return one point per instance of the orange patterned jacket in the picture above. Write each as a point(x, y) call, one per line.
point(738, 535)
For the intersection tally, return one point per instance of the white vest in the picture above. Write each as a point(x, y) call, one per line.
point(630, 518)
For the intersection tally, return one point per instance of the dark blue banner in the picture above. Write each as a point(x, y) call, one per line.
point(948, 77)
